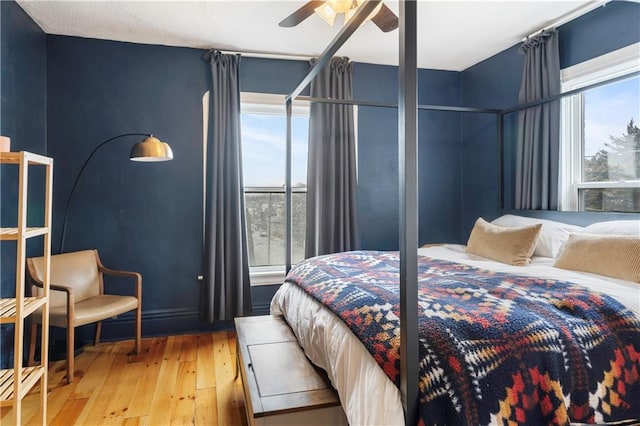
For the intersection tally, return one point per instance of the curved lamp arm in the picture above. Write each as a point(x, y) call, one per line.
point(166, 154)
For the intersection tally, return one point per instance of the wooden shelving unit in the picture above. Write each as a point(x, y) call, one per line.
point(17, 382)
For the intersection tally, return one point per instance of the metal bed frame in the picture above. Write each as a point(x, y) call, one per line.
point(408, 173)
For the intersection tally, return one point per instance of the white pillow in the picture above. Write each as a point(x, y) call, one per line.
point(552, 235)
point(614, 227)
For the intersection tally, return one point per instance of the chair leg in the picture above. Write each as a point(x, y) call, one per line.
point(70, 353)
point(32, 343)
point(138, 328)
point(96, 339)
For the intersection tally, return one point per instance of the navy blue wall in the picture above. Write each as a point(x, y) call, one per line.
point(605, 29)
point(140, 216)
point(438, 152)
point(495, 82)
point(23, 119)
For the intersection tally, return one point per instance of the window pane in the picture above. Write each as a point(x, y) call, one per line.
point(611, 144)
point(263, 150)
point(298, 231)
point(610, 200)
point(263, 162)
point(265, 227)
point(299, 150)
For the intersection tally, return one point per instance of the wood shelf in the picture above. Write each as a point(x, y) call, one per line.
point(12, 390)
point(13, 234)
point(31, 158)
point(8, 308)
point(30, 375)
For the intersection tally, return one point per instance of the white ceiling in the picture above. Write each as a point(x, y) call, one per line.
point(452, 35)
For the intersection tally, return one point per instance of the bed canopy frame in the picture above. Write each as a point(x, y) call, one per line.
point(407, 169)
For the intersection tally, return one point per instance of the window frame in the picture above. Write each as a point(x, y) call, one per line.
point(270, 104)
point(605, 67)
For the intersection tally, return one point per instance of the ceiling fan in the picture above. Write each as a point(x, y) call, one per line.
point(382, 16)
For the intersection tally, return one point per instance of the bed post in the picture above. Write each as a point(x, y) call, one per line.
point(500, 137)
point(287, 191)
point(408, 188)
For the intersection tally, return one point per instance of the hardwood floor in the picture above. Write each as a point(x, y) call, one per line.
point(177, 380)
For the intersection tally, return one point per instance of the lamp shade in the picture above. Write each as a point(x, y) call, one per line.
point(151, 149)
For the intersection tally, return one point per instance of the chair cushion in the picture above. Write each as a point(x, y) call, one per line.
point(92, 310)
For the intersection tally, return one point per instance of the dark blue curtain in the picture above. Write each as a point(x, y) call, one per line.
point(227, 291)
point(331, 170)
point(538, 148)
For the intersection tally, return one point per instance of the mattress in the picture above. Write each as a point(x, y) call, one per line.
point(367, 395)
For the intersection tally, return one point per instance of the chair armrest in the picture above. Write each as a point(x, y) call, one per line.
point(137, 276)
point(110, 271)
point(58, 287)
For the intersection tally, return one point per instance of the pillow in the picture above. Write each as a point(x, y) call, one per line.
point(513, 246)
point(614, 227)
point(552, 235)
point(616, 256)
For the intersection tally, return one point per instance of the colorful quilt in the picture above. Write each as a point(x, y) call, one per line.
point(494, 348)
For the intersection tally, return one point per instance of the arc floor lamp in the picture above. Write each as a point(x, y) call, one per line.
point(150, 149)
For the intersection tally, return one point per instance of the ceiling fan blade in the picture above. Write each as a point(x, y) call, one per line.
point(301, 14)
point(385, 19)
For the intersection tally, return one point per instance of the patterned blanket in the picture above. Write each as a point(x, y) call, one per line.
point(494, 348)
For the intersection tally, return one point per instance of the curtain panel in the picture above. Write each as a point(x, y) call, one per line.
point(331, 170)
point(538, 143)
point(227, 291)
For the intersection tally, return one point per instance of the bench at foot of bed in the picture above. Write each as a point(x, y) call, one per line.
point(281, 386)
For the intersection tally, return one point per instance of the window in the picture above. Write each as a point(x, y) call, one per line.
point(263, 163)
point(600, 157)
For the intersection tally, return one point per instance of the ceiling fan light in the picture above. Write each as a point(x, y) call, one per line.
point(351, 12)
point(341, 6)
point(327, 14)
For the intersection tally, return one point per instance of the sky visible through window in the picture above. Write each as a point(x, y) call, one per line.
point(263, 149)
point(608, 110)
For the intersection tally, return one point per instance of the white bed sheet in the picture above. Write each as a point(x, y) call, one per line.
point(367, 395)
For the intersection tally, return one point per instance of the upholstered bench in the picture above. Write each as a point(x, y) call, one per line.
point(281, 386)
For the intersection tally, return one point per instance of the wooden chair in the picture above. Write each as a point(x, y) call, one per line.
point(77, 297)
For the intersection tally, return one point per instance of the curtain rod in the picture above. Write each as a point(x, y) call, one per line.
point(570, 16)
point(267, 55)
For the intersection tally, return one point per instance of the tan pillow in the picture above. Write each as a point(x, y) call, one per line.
point(616, 256)
point(510, 245)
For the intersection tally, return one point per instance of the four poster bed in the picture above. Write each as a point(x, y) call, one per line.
point(487, 342)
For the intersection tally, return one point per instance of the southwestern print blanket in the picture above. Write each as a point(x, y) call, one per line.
point(494, 348)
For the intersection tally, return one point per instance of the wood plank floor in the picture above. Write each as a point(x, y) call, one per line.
point(176, 380)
